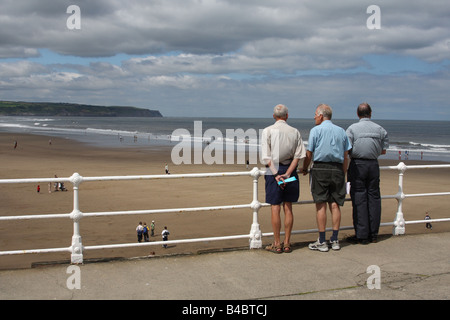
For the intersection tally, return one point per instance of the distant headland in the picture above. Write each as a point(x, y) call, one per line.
point(20, 108)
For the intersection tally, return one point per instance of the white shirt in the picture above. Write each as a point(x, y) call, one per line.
point(281, 143)
point(165, 233)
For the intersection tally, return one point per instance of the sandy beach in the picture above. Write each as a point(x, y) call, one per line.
point(34, 157)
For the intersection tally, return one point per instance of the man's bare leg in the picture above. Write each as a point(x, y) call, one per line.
point(288, 222)
point(276, 224)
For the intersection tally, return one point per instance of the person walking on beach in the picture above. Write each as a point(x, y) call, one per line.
point(152, 228)
point(282, 148)
point(145, 232)
point(165, 236)
point(328, 147)
point(56, 184)
point(428, 225)
point(139, 231)
point(369, 141)
point(166, 168)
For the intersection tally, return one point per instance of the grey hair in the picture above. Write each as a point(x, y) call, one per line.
point(325, 110)
point(280, 111)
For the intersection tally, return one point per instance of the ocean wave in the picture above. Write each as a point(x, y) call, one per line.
point(418, 146)
point(40, 119)
point(430, 145)
point(167, 131)
point(111, 132)
point(38, 127)
point(13, 125)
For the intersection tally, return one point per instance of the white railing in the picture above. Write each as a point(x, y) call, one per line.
point(255, 235)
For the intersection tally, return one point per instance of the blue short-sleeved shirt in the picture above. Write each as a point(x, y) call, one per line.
point(328, 142)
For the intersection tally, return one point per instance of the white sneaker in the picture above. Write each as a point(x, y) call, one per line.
point(323, 247)
point(335, 245)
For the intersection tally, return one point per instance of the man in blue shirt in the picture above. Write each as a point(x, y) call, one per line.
point(328, 147)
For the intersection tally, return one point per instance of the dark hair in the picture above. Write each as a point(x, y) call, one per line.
point(364, 110)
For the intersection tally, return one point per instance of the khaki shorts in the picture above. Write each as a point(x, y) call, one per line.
point(328, 182)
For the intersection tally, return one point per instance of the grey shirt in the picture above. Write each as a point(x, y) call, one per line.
point(368, 139)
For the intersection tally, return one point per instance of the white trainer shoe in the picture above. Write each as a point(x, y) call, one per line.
point(322, 247)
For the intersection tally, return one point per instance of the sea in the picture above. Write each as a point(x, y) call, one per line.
point(409, 140)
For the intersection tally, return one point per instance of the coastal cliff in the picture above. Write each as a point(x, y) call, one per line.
point(19, 108)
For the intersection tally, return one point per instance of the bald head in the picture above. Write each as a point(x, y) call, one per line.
point(364, 110)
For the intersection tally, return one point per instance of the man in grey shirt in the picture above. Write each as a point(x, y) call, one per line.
point(369, 141)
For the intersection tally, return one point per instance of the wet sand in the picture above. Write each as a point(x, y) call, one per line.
point(34, 157)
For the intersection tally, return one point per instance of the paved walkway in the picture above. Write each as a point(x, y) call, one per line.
point(411, 267)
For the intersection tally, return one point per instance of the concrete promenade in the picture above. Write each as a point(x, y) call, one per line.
point(411, 267)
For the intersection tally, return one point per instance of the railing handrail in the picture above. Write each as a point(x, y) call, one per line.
point(130, 177)
point(255, 233)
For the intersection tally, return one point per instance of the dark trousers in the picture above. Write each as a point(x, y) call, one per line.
point(364, 177)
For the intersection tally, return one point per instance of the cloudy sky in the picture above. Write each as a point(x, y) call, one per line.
point(230, 58)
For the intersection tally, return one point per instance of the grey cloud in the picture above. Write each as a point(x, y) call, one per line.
point(226, 56)
point(18, 52)
point(176, 95)
point(216, 27)
point(21, 69)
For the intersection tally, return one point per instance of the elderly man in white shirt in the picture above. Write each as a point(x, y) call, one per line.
point(281, 150)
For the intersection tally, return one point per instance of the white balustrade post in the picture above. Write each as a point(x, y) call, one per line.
point(255, 231)
point(76, 215)
point(399, 223)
